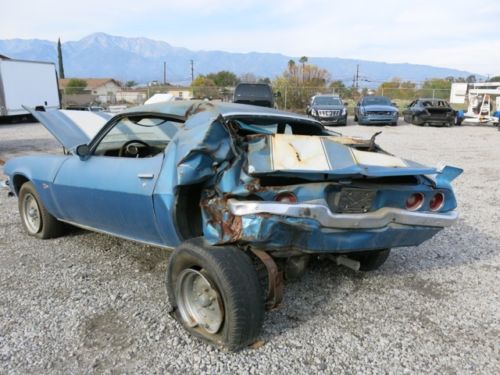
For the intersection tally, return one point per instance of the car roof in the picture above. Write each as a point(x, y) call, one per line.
point(186, 108)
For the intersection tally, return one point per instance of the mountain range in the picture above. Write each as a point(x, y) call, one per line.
point(100, 55)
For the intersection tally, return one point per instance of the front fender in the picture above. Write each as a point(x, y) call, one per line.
point(41, 170)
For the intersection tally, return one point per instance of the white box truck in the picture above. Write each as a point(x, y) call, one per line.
point(27, 83)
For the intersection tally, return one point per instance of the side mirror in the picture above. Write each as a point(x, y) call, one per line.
point(346, 104)
point(394, 104)
point(83, 150)
point(277, 94)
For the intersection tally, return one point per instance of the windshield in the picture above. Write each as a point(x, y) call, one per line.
point(327, 100)
point(376, 100)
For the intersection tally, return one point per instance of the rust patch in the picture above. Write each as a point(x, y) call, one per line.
point(230, 226)
point(2, 162)
point(275, 279)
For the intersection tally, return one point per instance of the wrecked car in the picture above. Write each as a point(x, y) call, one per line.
point(430, 112)
point(243, 195)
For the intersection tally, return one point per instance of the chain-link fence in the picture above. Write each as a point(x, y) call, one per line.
point(290, 98)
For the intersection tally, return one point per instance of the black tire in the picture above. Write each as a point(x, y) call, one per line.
point(232, 276)
point(37, 221)
point(371, 260)
point(457, 120)
point(355, 118)
point(415, 121)
point(394, 123)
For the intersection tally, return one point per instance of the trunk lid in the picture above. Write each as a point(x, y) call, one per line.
point(331, 155)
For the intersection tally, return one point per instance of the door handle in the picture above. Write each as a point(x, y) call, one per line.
point(146, 175)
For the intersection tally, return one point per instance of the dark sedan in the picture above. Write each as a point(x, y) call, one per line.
point(329, 109)
point(376, 110)
point(429, 112)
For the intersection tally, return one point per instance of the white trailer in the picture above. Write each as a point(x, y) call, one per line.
point(479, 98)
point(27, 83)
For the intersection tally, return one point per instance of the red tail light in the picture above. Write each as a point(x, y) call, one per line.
point(415, 201)
point(437, 202)
point(286, 197)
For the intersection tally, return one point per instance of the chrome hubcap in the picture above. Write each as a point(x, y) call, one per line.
point(31, 214)
point(198, 301)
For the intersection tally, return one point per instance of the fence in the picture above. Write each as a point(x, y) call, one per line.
point(291, 98)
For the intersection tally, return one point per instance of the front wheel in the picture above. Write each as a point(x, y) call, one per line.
point(215, 293)
point(37, 221)
point(371, 260)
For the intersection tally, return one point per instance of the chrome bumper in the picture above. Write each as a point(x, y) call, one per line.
point(322, 214)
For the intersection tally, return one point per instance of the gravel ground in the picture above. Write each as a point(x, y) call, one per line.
point(90, 303)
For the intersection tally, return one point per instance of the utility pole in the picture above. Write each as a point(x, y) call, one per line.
point(357, 76)
point(165, 73)
point(192, 71)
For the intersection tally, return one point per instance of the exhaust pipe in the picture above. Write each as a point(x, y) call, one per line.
point(342, 260)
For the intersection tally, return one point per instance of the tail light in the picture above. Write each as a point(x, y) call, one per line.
point(437, 202)
point(415, 201)
point(286, 197)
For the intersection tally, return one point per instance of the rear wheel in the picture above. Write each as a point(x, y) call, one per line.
point(215, 293)
point(355, 118)
point(371, 260)
point(36, 219)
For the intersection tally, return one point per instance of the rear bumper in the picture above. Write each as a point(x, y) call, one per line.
point(436, 119)
point(312, 228)
point(328, 219)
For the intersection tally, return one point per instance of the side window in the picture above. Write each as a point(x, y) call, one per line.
point(135, 136)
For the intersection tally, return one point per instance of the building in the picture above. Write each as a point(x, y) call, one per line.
point(180, 92)
point(103, 90)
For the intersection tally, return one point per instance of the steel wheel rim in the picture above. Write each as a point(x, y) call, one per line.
point(198, 301)
point(31, 214)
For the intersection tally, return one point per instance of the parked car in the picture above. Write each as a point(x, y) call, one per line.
point(431, 112)
point(260, 94)
point(92, 108)
point(241, 194)
point(328, 109)
point(376, 110)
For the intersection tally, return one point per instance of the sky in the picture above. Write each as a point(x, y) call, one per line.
point(449, 33)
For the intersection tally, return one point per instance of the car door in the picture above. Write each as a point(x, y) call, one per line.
point(110, 194)
point(111, 190)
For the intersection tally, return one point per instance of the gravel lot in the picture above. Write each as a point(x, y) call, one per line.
point(92, 303)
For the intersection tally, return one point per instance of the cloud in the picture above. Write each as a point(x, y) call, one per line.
point(450, 33)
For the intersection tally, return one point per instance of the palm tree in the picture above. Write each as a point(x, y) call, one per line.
point(303, 61)
point(291, 67)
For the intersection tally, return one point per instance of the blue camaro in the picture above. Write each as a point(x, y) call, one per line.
point(244, 195)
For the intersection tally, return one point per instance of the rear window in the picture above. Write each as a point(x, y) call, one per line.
point(253, 90)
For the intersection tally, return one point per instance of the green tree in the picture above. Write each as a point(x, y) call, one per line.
point(224, 78)
point(435, 88)
point(397, 89)
point(60, 59)
point(494, 79)
point(75, 86)
point(204, 87)
point(130, 83)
